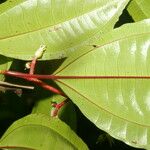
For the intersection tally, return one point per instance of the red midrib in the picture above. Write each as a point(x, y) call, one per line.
point(53, 77)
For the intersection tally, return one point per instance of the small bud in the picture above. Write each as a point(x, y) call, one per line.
point(40, 51)
point(28, 65)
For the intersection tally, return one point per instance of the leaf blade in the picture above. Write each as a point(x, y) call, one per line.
point(20, 38)
point(45, 133)
point(117, 106)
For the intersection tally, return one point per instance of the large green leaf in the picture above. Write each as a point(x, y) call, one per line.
point(139, 9)
point(60, 25)
point(4, 65)
point(41, 132)
point(121, 107)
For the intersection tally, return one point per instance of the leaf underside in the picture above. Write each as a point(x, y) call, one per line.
point(59, 26)
point(40, 132)
point(121, 107)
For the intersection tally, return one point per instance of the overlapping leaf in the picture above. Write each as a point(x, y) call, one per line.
point(121, 107)
point(41, 132)
point(139, 9)
point(60, 25)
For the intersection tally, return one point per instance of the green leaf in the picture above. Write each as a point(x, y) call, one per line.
point(67, 113)
point(4, 65)
point(41, 132)
point(121, 107)
point(42, 106)
point(139, 9)
point(59, 26)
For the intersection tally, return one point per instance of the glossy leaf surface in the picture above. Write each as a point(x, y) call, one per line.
point(41, 132)
point(60, 25)
point(121, 107)
point(139, 9)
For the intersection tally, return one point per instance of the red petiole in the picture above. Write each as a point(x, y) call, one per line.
point(45, 86)
point(32, 67)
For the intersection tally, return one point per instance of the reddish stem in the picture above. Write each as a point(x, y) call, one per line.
point(32, 67)
point(35, 80)
point(57, 107)
point(45, 86)
point(53, 77)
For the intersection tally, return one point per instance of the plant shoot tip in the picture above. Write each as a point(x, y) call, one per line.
point(40, 51)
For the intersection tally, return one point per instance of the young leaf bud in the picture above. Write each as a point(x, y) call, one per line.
point(40, 51)
point(27, 65)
